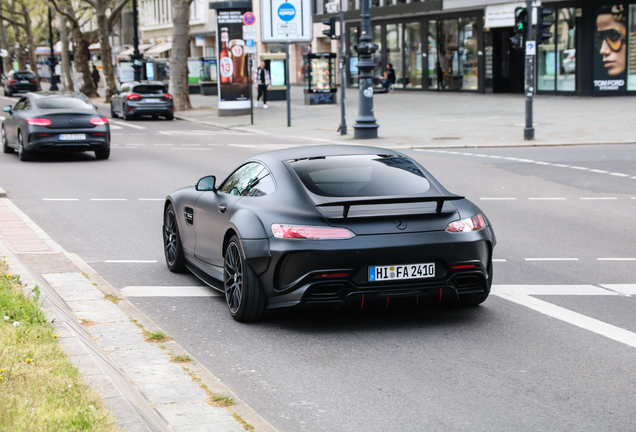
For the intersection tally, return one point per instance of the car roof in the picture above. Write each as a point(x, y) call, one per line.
point(324, 150)
point(48, 94)
point(142, 82)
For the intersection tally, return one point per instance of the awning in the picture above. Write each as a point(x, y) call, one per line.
point(95, 46)
point(158, 49)
point(127, 53)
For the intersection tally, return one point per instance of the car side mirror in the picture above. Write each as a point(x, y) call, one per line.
point(116, 92)
point(206, 183)
point(7, 109)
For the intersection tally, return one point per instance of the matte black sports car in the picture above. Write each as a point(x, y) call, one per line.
point(19, 82)
point(329, 226)
point(43, 121)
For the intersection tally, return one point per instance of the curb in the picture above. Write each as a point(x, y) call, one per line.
point(3, 193)
point(126, 397)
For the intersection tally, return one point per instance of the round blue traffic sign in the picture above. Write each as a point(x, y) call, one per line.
point(286, 12)
point(249, 18)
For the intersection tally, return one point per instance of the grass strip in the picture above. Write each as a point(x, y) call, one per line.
point(40, 389)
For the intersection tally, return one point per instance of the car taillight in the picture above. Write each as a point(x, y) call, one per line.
point(167, 96)
point(466, 225)
point(99, 121)
point(133, 96)
point(310, 232)
point(39, 122)
point(34, 81)
point(13, 81)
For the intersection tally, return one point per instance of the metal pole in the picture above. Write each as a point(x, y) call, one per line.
point(287, 82)
point(136, 56)
point(528, 132)
point(343, 76)
point(251, 85)
point(365, 127)
point(52, 59)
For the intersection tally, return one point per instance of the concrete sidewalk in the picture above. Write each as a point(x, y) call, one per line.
point(103, 334)
point(437, 119)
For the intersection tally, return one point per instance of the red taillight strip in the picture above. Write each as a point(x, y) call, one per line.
point(39, 122)
point(310, 232)
point(330, 275)
point(99, 121)
point(464, 266)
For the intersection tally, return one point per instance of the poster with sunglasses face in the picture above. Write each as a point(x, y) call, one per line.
point(610, 49)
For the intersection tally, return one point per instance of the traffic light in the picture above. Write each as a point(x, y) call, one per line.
point(521, 21)
point(330, 23)
point(542, 24)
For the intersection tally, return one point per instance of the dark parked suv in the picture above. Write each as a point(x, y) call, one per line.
point(20, 82)
point(135, 98)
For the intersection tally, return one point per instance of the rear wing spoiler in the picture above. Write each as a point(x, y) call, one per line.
point(348, 202)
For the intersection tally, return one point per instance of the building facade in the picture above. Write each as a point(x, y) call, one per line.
point(464, 45)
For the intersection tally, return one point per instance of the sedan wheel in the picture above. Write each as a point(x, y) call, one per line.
point(5, 144)
point(23, 154)
point(113, 114)
point(124, 113)
point(172, 246)
point(243, 294)
point(102, 154)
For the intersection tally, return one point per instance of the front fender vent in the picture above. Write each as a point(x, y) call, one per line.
point(189, 215)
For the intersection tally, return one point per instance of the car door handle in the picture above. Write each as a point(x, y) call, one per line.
point(222, 208)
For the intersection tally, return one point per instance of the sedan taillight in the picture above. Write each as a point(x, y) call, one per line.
point(133, 96)
point(13, 81)
point(39, 122)
point(310, 232)
point(99, 121)
point(467, 225)
point(167, 96)
point(34, 81)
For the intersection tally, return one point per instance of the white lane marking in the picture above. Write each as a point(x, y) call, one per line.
point(498, 260)
point(560, 165)
point(625, 289)
point(108, 199)
point(127, 124)
point(115, 127)
point(599, 171)
point(152, 199)
point(131, 261)
point(495, 157)
point(599, 327)
point(616, 259)
point(170, 291)
point(542, 163)
point(190, 148)
point(548, 199)
point(598, 198)
point(553, 290)
point(498, 199)
point(579, 168)
point(619, 174)
point(60, 199)
point(551, 259)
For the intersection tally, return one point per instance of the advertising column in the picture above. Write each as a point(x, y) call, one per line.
point(610, 51)
point(233, 82)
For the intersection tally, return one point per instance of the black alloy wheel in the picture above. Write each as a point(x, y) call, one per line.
point(102, 154)
point(23, 154)
point(170, 117)
point(243, 294)
point(175, 259)
point(5, 144)
point(124, 113)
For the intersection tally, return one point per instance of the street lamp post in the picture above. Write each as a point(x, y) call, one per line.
point(52, 59)
point(136, 55)
point(365, 127)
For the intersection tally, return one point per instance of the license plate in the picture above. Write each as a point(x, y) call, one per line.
point(24, 81)
point(72, 137)
point(401, 272)
point(152, 100)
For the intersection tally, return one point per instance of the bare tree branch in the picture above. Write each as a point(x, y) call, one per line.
point(114, 13)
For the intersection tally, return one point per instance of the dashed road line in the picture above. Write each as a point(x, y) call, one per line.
point(127, 124)
point(597, 198)
point(498, 260)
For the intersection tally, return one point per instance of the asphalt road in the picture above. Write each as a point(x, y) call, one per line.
point(563, 217)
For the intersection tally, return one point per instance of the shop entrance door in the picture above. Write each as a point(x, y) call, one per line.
point(508, 63)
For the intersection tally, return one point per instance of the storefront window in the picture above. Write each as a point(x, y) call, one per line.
point(546, 60)
point(468, 67)
point(566, 67)
point(413, 58)
point(433, 58)
point(353, 57)
point(394, 50)
point(631, 79)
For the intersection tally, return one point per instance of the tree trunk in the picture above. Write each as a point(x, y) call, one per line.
point(179, 54)
point(67, 71)
point(107, 52)
point(82, 65)
point(33, 60)
point(4, 44)
point(19, 50)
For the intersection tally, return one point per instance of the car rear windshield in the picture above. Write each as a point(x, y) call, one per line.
point(23, 76)
point(63, 103)
point(150, 89)
point(361, 176)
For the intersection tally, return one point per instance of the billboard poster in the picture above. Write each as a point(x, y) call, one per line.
point(233, 79)
point(610, 50)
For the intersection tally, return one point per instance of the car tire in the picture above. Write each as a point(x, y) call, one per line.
point(113, 114)
point(124, 113)
point(8, 93)
point(170, 117)
point(5, 144)
point(102, 154)
point(243, 295)
point(24, 155)
point(468, 300)
point(172, 247)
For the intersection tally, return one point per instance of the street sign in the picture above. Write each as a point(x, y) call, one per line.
point(286, 21)
point(249, 19)
point(531, 48)
point(250, 48)
point(249, 32)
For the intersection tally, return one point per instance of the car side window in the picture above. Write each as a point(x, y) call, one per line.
point(20, 105)
point(27, 105)
point(251, 179)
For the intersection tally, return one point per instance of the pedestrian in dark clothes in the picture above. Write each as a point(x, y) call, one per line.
point(263, 82)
